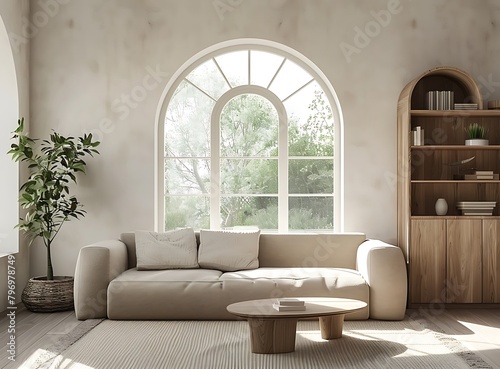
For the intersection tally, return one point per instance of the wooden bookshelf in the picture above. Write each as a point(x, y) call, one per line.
point(446, 254)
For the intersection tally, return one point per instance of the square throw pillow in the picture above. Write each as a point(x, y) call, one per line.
point(229, 250)
point(169, 250)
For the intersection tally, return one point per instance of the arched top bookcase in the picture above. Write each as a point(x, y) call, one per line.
point(435, 162)
point(411, 104)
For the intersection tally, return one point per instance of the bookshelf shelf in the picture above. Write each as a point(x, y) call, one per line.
point(455, 113)
point(456, 147)
point(461, 181)
point(454, 217)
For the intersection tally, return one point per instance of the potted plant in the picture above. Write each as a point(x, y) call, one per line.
point(46, 196)
point(476, 135)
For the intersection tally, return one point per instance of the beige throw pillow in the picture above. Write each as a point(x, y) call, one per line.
point(169, 250)
point(229, 250)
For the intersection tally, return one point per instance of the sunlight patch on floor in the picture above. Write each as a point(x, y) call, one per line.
point(473, 339)
point(39, 353)
point(67, 363)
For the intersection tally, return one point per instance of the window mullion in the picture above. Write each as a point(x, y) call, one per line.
point(249, 67)
point(276, 74)
point(222, 73)
point(215, 189)
point(199, 89)
point(298, 90)
point(283, 174)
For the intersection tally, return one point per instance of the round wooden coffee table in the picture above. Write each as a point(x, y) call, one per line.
point(273, 332)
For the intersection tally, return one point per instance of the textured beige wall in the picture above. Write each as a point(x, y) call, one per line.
point(89, 57)
point(12, 13)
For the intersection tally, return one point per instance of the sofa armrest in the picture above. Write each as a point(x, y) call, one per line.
point(97, 265)
point(384, 269)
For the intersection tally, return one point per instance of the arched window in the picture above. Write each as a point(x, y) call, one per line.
point(247, 139)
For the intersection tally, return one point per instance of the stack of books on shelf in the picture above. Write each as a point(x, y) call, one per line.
point(289, 304)
point(481, 174)
point(417, 136)
point(439, 100)
point(476, 207)
point(465, 106)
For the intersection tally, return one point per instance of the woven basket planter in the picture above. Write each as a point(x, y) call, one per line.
point(43, 296)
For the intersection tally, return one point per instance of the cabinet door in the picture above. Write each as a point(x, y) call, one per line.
point(491, 261)
point(464, 259)
point(427, 261)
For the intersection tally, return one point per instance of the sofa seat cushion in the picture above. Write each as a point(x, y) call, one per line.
point(334, 277)
point(168, 275)
point(205, 293)
point(298, 282)
point(162, 294)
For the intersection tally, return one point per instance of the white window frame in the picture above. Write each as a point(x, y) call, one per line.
point(282, 151)
point(261, 45)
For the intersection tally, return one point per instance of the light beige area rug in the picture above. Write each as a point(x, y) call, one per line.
point(225, 344)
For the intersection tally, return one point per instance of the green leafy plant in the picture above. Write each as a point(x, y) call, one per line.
point(46, 193)
point(476, 131)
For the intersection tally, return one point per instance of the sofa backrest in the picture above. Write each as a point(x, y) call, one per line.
point(335, 250)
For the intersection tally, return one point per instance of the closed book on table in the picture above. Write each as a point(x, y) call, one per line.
point(289, 308)
point(290, 302)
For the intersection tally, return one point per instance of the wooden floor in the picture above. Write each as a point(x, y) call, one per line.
point(33, 332)
point(477, 329)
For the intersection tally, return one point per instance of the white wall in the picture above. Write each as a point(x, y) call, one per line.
point(88, 60)
point(14, 102)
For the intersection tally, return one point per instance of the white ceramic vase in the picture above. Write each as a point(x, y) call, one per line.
point(441, 206)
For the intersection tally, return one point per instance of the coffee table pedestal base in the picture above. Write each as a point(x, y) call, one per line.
point(272, 336)
point(331, 326)
point(277, 336)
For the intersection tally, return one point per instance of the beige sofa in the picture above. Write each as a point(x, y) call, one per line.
point(107, 283)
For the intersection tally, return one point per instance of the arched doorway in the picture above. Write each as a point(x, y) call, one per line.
point(9, 110)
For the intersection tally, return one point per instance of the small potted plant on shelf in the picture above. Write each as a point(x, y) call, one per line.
point(46, 196)
point(476, 135)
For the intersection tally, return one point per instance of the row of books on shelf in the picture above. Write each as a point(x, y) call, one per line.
point(444, 100)
point(439, 100)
